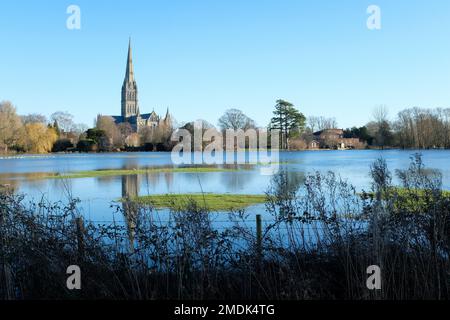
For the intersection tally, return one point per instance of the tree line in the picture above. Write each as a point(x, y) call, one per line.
point(35, 133)
point(107, 135)
point(413, 128)
point(31, 133)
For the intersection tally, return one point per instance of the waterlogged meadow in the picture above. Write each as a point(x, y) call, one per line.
point(100, 179)
point(308, 232)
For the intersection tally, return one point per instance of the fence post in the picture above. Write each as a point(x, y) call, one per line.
point(259, 238)
point(80, 237)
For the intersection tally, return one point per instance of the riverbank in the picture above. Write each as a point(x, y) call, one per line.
point(314, 247)
point(31, 155)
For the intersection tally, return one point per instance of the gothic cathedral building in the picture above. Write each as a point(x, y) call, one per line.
point(130, 104)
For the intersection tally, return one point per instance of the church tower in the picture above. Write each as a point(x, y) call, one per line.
point(130, 106)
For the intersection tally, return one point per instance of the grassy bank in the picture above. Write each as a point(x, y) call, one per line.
point(209, 201)
point(113, 172)
point(409, 199)
point(127, 172)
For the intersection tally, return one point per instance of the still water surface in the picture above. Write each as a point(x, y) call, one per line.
point(97, 194)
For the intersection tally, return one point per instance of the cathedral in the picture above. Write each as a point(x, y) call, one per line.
point(130, 104)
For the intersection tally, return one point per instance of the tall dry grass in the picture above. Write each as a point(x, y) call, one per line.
point(317, 242)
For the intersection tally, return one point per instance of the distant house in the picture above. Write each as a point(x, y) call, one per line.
point(314, 144)
point(335, 133)
point(334, 139)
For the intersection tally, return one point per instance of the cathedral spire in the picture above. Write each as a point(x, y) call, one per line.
point(130, 106)
point(129, 75)
point(167, 114)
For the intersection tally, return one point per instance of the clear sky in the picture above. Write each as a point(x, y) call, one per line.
point(200, 57)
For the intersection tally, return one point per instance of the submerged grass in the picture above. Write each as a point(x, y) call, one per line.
point(125, 172)
point(407, 192)
point(410, 199)
point(210, 201)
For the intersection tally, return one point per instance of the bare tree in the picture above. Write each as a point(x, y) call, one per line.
point(321, 123)
point(235, 119)
point(380, 113)
point(382, 130)
point(423, 128)
point(112, 132)
point(34, 118)
point(64, 121)
point(10, 125)
point(80, 128)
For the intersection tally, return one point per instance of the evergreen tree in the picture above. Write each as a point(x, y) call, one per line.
point(288, 120)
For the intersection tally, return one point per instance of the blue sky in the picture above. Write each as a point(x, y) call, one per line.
point(201, 57)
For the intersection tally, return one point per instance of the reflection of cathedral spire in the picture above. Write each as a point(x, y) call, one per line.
point(130, 186)
point(130, 190)
point(168, 177)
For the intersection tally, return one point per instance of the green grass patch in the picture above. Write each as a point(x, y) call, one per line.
point(126, 172)
point(413, 200)
point(209, 201)
point(408, 192)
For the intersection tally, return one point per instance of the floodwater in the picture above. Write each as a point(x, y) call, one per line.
point(25, 174)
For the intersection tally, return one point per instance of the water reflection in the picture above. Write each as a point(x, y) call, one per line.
point(294, 179)
point(13, 181)
point(27, 176)
point(130, 190)
point(236, 181)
